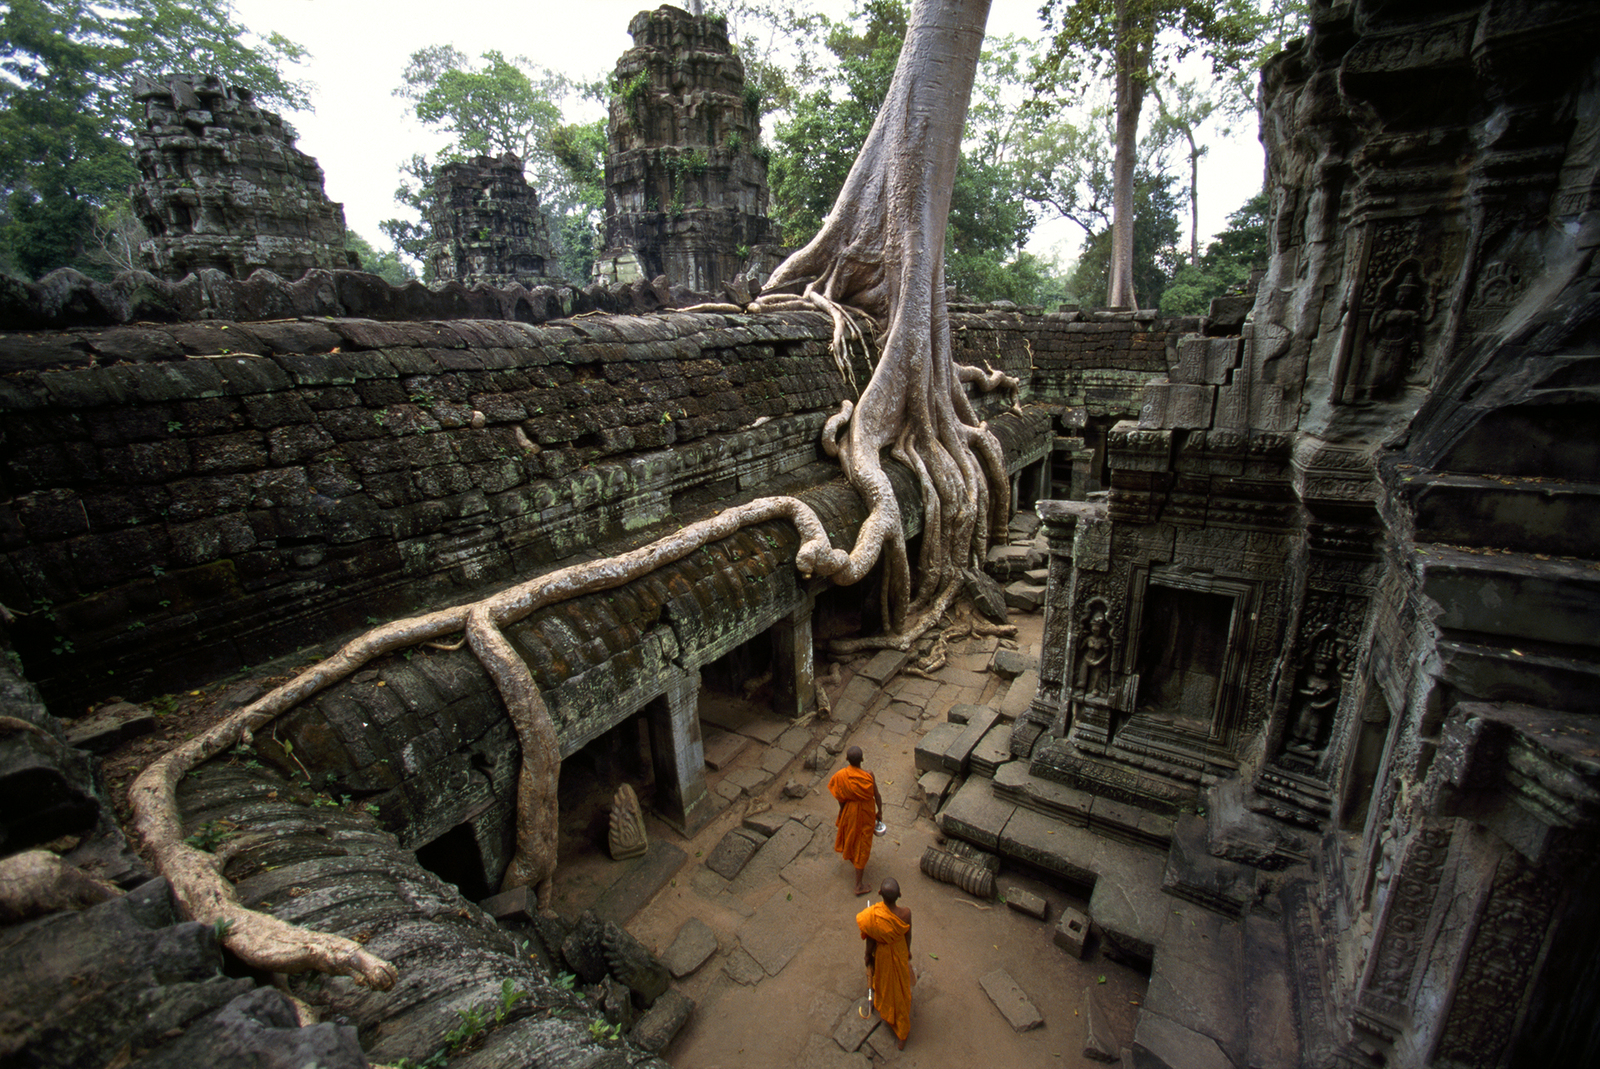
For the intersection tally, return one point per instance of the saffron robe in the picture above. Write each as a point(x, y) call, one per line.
point(891, 966)
point(858, 814)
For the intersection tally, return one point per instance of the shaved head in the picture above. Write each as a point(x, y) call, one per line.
point(889, 890)
point(853, 755)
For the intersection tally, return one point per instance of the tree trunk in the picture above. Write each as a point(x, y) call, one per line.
point(881, 250)
point(1133, 58)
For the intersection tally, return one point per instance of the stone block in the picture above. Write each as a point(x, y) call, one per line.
point(1108, 1023)
point(930, 752)
point(1175, 406)
point(1026, 902)
point(721, 747)
point(960, 747)
point(1024, 596)
point(934, 786)
point(519, 903)
point(639, 884)
point(1205, 361)
point(748, 780)
point(1072, 931)
point(1012, 1002)
point(694, 943)
point(973, 813)
point(1009, 664)
point(784, 846)
point(662, 1022)
point(1019, 696)
point(1158, 1041)
point(766, 823)
point(857, 1024)
point(775, 760)
point(740, 966)
point(1193, 874)
point(884, 665)
point(731, 854)
point(111, 726)
point(960, 714)
point(774, 934)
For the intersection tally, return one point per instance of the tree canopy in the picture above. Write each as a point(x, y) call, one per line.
point(67, 112)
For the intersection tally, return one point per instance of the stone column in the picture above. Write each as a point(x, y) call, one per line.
point(794, 680)
point(679, 756)
point(1060, 519)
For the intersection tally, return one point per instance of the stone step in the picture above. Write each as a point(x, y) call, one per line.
point(1014, 782)
point(1192, 874)
point(1126, 903)
point(992, 751)
point(1516, 595)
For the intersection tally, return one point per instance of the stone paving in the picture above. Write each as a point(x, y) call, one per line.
point(763, 902)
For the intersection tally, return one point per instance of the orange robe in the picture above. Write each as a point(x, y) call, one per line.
point(857, 817)
point(891, 966)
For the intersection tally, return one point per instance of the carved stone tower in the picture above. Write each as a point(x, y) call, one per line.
point(686, 177)
point(224, 186)
point(487, 226)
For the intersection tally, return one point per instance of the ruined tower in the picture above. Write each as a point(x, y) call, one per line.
point(487, 226)
point(686, 176)
point(224, 187)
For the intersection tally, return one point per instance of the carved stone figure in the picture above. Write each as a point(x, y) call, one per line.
point(1314, 703)
point(1394, 333)
point(627, 837)
point(1094, 654)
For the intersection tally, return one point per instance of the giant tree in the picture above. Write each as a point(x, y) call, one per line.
point(1135, 38)
point(880, 257)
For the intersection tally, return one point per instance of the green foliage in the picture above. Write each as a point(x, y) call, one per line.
point(494, 105)
point(603, 1031)
point(67, 109)
point(211, 834)
point(1226, 264)
point(1155, 246)
point(386, 265)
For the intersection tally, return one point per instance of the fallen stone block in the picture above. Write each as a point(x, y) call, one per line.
point(960, 714)
point(795, 789)
point(519, 903)
point(765, 823)
point(748, 780)
point(1026, 902)
point(694, 943)
point(733, 851)
point(662, 1021)
point(1024, 596)
point(885, 664)
point(1012, 1002)
point(721, 747)
point(1020, 695)
point(819, 758)
point(1009, 664)
point(930, 753)
point(111, 726)
point(1108, 1023)
point(934, 785)
point(1072, 931)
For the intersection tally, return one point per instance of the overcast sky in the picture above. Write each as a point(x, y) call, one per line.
point(360, 132)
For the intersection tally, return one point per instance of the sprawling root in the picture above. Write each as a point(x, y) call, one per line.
point(882, 252)
point(264, 941)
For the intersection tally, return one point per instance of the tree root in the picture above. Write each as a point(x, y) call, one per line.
point(268, 943)
point(36, 882)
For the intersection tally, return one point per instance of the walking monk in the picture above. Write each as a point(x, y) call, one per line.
point(887, 929)
point(860, 809)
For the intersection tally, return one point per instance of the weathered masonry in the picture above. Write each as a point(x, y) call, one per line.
point(195, 497)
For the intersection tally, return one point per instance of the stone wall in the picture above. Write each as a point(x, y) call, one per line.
point(487, 226)
point(686, 176)
point(223, 186)
point(1379, 497)
point(184, 499)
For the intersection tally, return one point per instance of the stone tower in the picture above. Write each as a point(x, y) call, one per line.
point(487, 226)
point(224, 187)
point(686, 177)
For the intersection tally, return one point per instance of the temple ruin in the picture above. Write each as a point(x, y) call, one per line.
point(487, 226)
point(223, 187)
point(1307, 745)
point(686, 174)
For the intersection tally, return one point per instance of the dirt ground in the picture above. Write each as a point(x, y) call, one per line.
point(746, 1018)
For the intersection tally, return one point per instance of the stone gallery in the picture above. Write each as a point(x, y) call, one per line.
point(1307, 744)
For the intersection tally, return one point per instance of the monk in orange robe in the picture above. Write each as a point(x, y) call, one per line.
point(860, 809)
point(886, 927)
